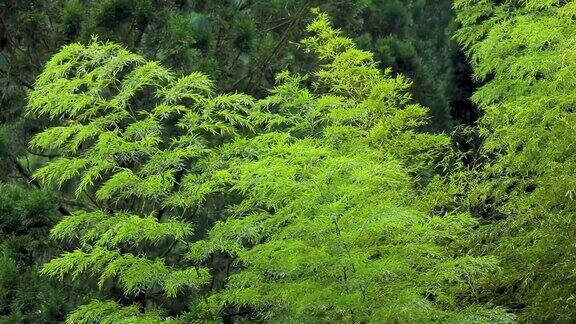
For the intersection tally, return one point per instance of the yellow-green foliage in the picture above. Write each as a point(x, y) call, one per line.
point(525, 52)
point(318, 183)
point(128, 128)
point(108, 312)
point(324, 231)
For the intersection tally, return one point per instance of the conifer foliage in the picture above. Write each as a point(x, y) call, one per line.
point(296, 207)
point(26, 217)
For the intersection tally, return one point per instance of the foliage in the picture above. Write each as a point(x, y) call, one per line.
point(317, 183)
point(126, 154)
point(239, 193)
point(25, 219)
point(406, 37)
point(325, 231)
point(239, 44)
point(524, 51)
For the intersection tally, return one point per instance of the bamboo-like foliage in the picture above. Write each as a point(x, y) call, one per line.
point(128, 130)
point(324, 231)
point(525, 52)
point(317, 181)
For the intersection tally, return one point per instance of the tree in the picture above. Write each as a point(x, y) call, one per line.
point(523, 181)
point(26, 216)
point(242, 45)
point(127, 140)
point(325, 230)
point(316, 180)
point(407, 37)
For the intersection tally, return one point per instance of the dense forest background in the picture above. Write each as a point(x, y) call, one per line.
point(386, 161)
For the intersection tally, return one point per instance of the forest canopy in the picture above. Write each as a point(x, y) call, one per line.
point(287, 161)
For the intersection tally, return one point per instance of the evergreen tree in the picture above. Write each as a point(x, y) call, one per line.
point(414, 38)
point(130, 130)
point(25, 219)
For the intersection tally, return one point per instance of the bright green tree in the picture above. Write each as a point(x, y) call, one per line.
point(130, 131)
point(307, 193)
point(325, 230)
point(523, 181)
